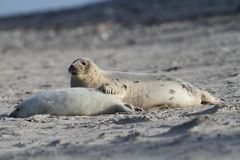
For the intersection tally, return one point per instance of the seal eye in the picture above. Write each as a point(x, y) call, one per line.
point(18, 109)
point(83, 63)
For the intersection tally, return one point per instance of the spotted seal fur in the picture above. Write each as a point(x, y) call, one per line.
point(143, 90)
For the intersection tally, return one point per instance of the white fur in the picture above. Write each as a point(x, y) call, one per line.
point(70, 101)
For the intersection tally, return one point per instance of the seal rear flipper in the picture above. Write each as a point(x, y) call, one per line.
point(208, 98)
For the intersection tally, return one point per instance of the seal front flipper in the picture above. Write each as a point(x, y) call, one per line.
point(116, 89)
point(108, 89)
point(206, 97)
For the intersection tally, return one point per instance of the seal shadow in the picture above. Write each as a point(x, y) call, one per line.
point(180, 129)
point(4, 116)
point(211, 110)
point(129, 120)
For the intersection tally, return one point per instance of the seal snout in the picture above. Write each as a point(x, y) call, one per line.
point(14, 114)
point(72, 69)
point(78, 66)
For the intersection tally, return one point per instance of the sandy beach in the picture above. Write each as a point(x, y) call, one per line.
point(203, 50)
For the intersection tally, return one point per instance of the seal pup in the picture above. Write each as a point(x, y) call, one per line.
point(143, 90)
point(70, 102)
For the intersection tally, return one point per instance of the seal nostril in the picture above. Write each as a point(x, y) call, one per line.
point(71, 68)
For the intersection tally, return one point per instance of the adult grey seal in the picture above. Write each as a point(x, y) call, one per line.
point(143, 90)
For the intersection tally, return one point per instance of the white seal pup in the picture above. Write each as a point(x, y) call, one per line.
point(143, 90)
point(70, 102)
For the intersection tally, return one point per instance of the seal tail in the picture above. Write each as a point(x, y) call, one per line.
point(208, 98)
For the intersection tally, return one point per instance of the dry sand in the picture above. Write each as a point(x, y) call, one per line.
point(203, 51)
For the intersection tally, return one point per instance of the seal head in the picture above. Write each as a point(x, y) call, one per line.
point(79, 66)
point(83, 71)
